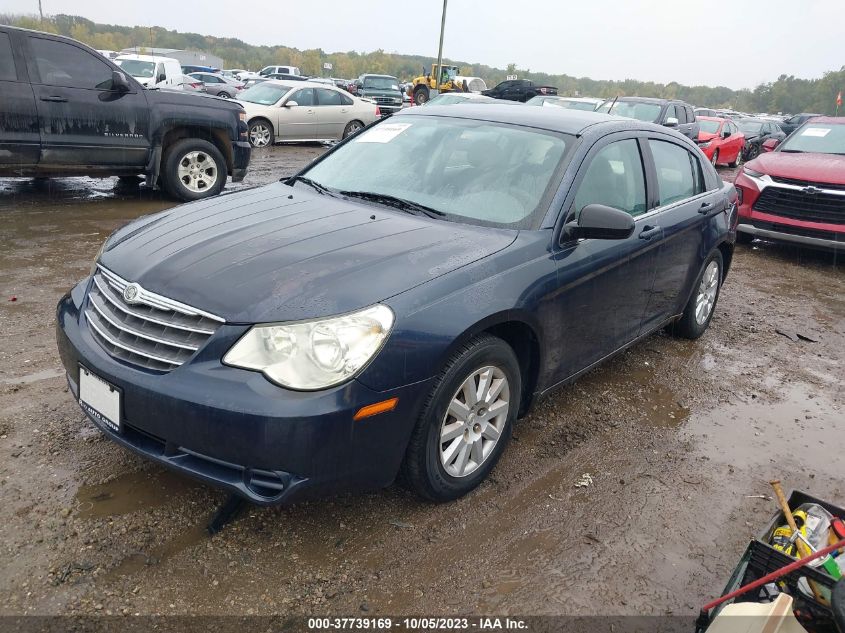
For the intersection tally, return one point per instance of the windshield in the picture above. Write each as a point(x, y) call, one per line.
point(750, 127)
point(709, 127)
point(632, 110)
point(381, 83)
point(137, 68)
point(475, 172)
point(449, 99)
point(820, 138)
point(579, 105)
point(264, 93)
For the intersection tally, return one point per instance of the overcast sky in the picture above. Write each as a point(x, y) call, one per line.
point(736, 43)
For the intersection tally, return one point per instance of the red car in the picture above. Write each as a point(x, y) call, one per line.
point(797, 192)
point(720, 140)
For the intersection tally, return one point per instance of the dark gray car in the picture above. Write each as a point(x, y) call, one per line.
point(668, 112)
point(218, 85)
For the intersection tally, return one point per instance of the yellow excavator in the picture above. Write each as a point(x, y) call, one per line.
point(422, 86)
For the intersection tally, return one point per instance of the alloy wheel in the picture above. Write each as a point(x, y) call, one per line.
point(259, 135)
point(474, 421)
point(707, 291)
point(353, 127)
point(198, 171)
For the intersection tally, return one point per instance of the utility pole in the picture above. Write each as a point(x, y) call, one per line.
point(40, 12)
point(439, 68)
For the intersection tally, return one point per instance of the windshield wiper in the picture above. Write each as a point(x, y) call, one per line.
point(396, 203)
point(311, 183)
point(792, 151)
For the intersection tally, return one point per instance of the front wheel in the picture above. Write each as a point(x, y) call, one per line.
point(421, 95)
point(193, 169)
point(225, 95)
point(466, 421)
point(352, 127)
point(702, 303)
point(752, 153)
point(261, 133)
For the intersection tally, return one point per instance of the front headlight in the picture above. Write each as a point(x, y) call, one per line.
point(705, 144)
point(751, 172)
point(315, 354)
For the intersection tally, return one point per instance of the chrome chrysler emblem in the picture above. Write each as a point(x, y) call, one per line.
point(131, 292)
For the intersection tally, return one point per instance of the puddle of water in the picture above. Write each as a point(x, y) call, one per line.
point(137, 561)
point(130, 492)
point(44, 374)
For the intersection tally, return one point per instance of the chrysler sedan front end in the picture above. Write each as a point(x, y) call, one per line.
point(397, 304)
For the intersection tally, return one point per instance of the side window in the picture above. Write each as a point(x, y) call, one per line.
point(61, 64)
point(346, 99)
point(690, 114)
point(614, 178)
point(681, 114)
point(159, 70)
point(675, 177)
point(326, 97)
point(7, 63)
point(304, 97)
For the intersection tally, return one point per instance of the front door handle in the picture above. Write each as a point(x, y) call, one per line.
point(706, 207)
point(55, 99)
point(649, 232)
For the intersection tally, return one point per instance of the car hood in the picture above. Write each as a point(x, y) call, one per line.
point(813, 167)
point(278, 253)
point(706, 136)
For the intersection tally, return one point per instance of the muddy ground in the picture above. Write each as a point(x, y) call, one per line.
point(680, 439)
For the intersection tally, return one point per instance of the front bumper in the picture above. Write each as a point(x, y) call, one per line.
point(782, 234)
point(241, 152)
point(234, 429)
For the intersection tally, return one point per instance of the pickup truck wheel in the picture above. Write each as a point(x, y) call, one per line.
point(193, 169)
point(702, 303)
point(261, 133)
point(351, 128)
point(466, 422)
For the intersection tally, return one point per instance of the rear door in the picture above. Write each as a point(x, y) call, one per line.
point(332, 113)
point(299, 122)
point(20, 139)
point(83, 121)
point(683, 206)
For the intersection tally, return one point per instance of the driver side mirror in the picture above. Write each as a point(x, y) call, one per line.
point(291, 104)
point(726, 133)
point(671, 122)
point(119, 81)
point(600, 222)
point(160, 78)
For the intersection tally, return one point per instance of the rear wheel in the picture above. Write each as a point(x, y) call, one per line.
point(752, 153)
point(224, 94)
point(702, 303)
point(466, 422)
point(193, 169)
point(352, 127)
point(737, 161)
point(715, 158)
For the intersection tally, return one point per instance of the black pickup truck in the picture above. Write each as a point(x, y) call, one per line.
point(65, 110)
point(519, 90)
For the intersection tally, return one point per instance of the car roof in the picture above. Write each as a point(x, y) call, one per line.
point(292, 83)
point(375, 75)
point(712, 118)
point(553, 119)
point(647, 100)
point(828, 120)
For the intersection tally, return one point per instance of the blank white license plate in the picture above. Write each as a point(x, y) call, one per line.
point(100, 399)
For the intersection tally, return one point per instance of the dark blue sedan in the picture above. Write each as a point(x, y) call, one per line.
point(399, 303)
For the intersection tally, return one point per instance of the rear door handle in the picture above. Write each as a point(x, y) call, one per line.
point(55, 99)
point(649, 232)
point(706, 207)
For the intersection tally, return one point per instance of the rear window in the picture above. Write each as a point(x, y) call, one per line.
point(7, 64)
point(819, 138)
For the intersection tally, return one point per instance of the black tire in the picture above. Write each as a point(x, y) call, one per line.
point(737, 161)
point(225, 95)
point(715, 158)
point(422, 469)
point(752, 153)
point(421, 95)
point(688, 326)
point(352, 127)
point(744, 238)
point(253, 138)
point(207, 153)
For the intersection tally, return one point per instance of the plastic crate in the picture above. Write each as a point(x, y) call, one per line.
point(760, 559)
point(796, 498)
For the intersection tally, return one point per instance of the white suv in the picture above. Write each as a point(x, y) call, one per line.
point(279, 70)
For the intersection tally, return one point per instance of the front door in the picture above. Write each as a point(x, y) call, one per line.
point(83, 121)
point(605, 285)
point(20, 140)
point(332, 113)
point(299, 122)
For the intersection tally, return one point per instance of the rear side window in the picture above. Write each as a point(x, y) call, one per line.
point(615, 179)
point(7, 63)
point(680, 114)
point(326, 97)
point(61, 64)
point(676, 179)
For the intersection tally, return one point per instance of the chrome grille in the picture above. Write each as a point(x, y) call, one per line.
point(151, 331)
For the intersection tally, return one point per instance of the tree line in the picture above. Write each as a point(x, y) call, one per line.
point(788, 94)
